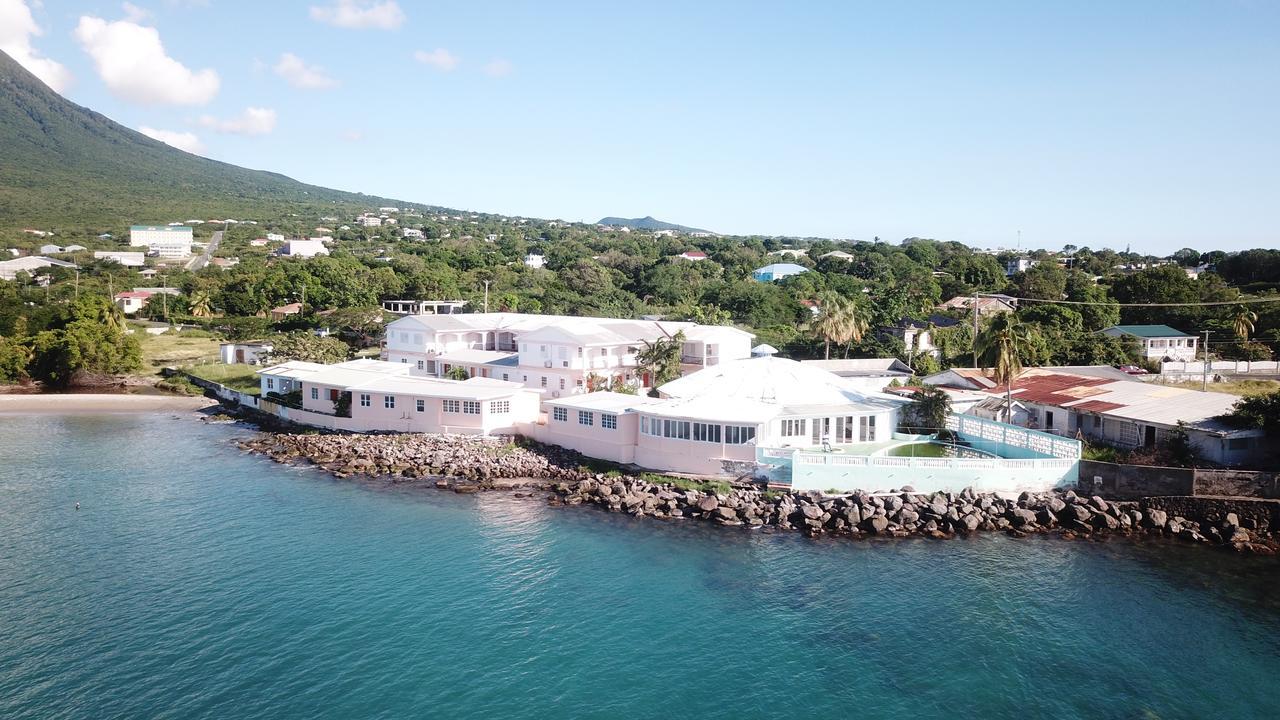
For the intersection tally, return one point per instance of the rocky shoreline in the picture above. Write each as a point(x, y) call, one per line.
point(469, 464)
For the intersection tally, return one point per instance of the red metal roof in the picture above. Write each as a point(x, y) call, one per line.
point(1097, 406)
point(133, 294)
point(1053, 388)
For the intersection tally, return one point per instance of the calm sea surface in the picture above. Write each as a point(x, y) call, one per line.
point(198, 582)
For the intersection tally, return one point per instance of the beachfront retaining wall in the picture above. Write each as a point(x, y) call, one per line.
point(1252, 513)
point(222, 392)
point(1130, 482)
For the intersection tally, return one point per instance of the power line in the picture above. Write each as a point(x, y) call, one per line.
point(1242, 301)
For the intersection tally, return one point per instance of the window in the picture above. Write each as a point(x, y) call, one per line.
point(1097, 422)
point(315, 393)
point(676, 429)
point(364, 400)
point(420, 405)
point(579, 352)
point(404, 361)
point(586, 418)
point(563, 352)
point(544, 381)
point(609, 422)
point(270, 383)
point(452, 406)
point(1128, 434)
point(867, 428)
point(560, 414)
point(470, 407)
point(793, 428)
point(431, 367)
point(706, 432)
point(561, 383)
point(504, 376)
point(389, 402)
point(419, 364)
point(644, 424)
point(739, 434)
point(1238, 443)
point(500, 407)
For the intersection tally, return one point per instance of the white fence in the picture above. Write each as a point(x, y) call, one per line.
point(1012, 436)
point(809, 459)
point(1219, 367)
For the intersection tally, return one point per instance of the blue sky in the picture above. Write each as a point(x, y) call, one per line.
point(1151, 124)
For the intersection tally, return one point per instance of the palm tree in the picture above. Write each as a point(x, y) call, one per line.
point(661, 358)
point(201, 304)
point(111, 317)
point(838, 319)
point(1243, 321)
point(1001, 347)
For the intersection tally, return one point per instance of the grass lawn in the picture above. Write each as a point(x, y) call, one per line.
point(176, 350)
point(1234, 387)
point(237, 377)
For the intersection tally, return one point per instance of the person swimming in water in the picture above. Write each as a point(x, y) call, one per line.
point(77, 506)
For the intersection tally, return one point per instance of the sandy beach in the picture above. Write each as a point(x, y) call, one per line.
point(97, 403)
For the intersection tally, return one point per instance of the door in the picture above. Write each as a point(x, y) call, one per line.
point(240, 355)
point(1149, 436)
point(1048, 420)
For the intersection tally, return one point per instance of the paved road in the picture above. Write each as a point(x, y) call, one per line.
point(202, 259)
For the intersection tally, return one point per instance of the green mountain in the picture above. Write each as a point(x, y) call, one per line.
point(65, 165)
point(647, 223)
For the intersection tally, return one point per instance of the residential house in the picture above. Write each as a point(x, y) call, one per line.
point(127, 259)
point(382, 396)
point(560, 355)
point(777, 271)
point(9, 269)
point(987, 304)
point(411, 233)
point(165, 241)
point(245, 353)
point(534, 260)
point(1157, 342)
point(837, 255)
point(275, 237)
point(132, 301)
point(1095, 404)
point(694, 255)
point(303, 248)
point(424, 307)
point(285, 311)
point(50, 249)
point(917, 335)
point(1019, 264)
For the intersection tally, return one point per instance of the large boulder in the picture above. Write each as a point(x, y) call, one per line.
point(875, 524)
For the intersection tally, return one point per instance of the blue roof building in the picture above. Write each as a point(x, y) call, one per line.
point(778, 271)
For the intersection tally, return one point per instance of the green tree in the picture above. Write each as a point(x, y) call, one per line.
point(307, 346)
point(660, 359)
point(457, 372)
point(1001, 346)
point(927, 412)
point(14, 357)
point(200, 304)
point(838, 319)
point(1242, 322)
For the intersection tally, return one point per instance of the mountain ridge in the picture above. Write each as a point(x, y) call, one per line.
point(62, 163)
point(648, 222)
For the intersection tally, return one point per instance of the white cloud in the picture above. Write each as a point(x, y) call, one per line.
point(301, 75)
point(440, 59)
point(181, 140)
point(360, 14)
point(17, 27)
point(132, 62)
point(253, 121)
point(135, 14)
point(498, 68)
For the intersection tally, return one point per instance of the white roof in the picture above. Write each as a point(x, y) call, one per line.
point(477, 357)
point(862, 366)
point(343, 373)
point(759, 388)
point(563, 328)
point(605, 401)
point(438, 387)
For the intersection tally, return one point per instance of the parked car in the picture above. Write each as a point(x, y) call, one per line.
point(1131, 369)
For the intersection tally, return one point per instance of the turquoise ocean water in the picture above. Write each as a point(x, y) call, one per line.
point(198, 582)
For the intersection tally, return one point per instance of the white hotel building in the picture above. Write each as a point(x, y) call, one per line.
point(169, 242)
point(560, 355)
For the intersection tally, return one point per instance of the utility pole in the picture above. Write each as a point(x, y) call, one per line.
point(486, 296)
point(164, 296)
point(77, 284)
point(975, 329)
point(1206, 361)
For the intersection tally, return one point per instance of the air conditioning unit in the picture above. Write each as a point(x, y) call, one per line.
point(555, 393)
point(546, 363)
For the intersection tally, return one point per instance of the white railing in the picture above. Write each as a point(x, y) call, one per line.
point(811, 459)
point(1235, 367)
